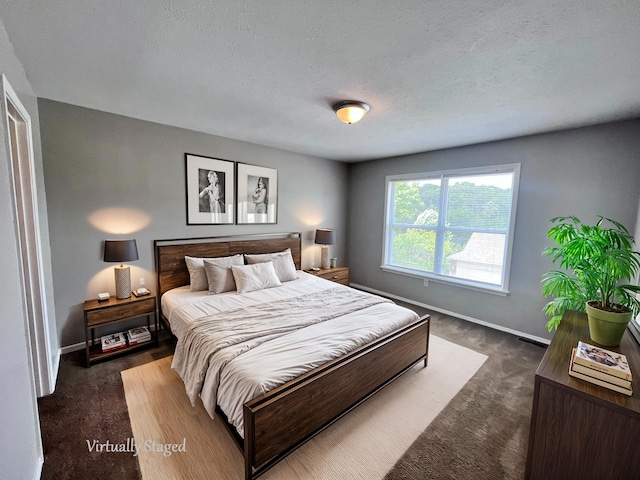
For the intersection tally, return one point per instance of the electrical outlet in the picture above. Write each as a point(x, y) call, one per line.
point(142, 282)
point(426, 282)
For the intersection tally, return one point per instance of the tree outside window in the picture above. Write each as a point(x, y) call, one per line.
point(454, 225)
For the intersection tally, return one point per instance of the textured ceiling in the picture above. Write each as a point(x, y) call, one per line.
point(436, 74)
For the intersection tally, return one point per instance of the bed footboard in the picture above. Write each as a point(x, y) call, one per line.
point(283, 419)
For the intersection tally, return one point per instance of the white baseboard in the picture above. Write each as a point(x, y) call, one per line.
point(38, 470)
point(72, 348)
point(53, 373)
point(453, 314)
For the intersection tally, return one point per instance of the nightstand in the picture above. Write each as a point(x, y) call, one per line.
point(100, 314)
point(336, 274)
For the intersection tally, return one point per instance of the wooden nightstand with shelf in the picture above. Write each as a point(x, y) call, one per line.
point(99, 314)
point(335, 274)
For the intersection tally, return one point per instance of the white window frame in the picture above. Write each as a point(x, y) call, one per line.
point(440, 228)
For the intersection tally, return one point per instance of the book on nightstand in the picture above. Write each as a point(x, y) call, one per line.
point(138, 335)
point(597, 377)
point(114, 341)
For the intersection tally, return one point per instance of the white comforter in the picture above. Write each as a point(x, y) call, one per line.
point(236, 374)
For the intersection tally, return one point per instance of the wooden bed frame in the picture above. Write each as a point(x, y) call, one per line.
point(283, 419)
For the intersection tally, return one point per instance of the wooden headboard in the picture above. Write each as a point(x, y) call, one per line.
point(171, 269)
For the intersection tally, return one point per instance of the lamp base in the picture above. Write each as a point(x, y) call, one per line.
point(123, 282)
point(324, 257)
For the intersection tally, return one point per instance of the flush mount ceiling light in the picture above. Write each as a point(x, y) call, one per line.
point(350, 111)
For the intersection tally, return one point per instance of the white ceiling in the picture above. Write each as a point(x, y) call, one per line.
point(436, 74)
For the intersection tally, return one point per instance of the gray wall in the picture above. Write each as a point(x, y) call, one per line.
point(20, 444)
point(96, 161)
point(584, 172)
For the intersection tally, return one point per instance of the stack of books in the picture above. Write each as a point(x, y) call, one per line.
point(138, 335)
point(115, 341)
point(601, 367)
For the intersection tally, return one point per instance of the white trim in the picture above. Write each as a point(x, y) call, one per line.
point(54, 369)
point(73, 348)
point(45, 370)
point(634, 329)
point(515, 186)
point(453, 314)
point(38, 472)
point(458, 172)
point(477, 286)
point(35, 329)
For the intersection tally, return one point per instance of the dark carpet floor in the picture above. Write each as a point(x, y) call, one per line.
point(88, 405)
point(481, 434)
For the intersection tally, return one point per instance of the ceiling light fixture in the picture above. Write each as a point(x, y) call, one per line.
point(350, 111)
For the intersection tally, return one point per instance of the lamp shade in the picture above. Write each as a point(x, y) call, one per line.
point(120, 250)
point(325, 236)
point(350, 111)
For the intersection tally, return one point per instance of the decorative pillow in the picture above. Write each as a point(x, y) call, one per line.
point(219, 275)
point(282, 263)
point(255, 277)
point(197, 275)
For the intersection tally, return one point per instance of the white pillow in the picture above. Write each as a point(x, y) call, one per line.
point(197, 275)
point(282, 263)
point(219, 276)
point(255, 277)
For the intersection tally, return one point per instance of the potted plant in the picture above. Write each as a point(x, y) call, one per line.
point(598, 261)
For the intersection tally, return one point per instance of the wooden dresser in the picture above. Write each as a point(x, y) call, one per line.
point(578, 429)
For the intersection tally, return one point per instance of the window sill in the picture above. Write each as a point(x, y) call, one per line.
point(468, 284)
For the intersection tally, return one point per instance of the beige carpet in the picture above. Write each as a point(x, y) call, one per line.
point(365, 444)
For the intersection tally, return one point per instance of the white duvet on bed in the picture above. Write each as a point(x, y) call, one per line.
point(278, 360)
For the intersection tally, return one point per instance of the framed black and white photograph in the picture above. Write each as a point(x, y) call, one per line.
point(257, 194)
point(210, 192)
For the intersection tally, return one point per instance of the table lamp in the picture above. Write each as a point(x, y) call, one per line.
point(121, 251)
point(325, 237)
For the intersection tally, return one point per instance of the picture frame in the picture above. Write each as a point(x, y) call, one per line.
point(257, 194)
point(210, 190)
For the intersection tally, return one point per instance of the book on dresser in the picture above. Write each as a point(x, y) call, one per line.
point(113, 341)
point(138, 335)
point(597, 377)
point(606, 361)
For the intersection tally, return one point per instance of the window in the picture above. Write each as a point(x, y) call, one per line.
point(454, 226)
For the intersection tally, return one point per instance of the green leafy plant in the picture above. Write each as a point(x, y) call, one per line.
point(597, 261)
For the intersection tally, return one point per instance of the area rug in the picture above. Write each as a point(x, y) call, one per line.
point(176, 441)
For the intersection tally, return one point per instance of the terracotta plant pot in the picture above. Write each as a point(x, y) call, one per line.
point(607, 328)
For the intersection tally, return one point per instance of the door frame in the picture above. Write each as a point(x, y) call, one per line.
point(28, 237)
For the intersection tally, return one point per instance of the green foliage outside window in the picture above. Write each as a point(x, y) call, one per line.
point(478, 206)
point(411, 200)
point(469, 205)
point(414, 248)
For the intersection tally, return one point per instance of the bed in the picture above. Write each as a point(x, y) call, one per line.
point(272, 422)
